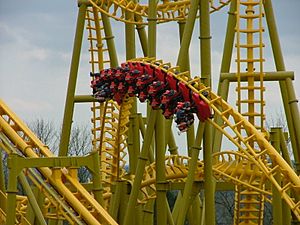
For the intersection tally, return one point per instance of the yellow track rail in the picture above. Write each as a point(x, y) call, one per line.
point(229, 166)
point(25, 141)
point(110, 121)
point(54, 205)
point(232, 124)
point(129, 11)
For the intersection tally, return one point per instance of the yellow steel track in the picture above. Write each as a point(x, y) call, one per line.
point(250, 166)
point(232, 124)
point(109, 119)
point(26, 142)
point(229, 166)
point(54, 205)
point(129, 11)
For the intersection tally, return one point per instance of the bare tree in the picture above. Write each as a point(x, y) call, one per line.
point(279, 120)
point(80, 145)
point(4, 171)
point(46, 132)
point(268, 214)
point(80, 141)
point(224, 207)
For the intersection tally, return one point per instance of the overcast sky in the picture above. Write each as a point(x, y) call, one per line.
point(36, 39)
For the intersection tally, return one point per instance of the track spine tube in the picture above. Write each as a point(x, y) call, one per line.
point(69, 104)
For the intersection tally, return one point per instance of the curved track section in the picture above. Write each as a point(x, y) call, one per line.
point(109, 119)
point(262, 154)
point(29, 145)
point(229, 166)
point(129, 11)
point(53, 201)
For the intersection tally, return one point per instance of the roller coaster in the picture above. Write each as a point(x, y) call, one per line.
point(135, 161)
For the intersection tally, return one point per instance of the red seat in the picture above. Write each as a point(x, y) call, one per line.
point(124, 65)
point(139, 66)
point(132, 65)
point(148, 69)
point(203, 110)
point(172, 81)
point(160, 75)
point(185, 91)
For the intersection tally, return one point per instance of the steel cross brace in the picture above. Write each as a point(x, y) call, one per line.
point(17, 163)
